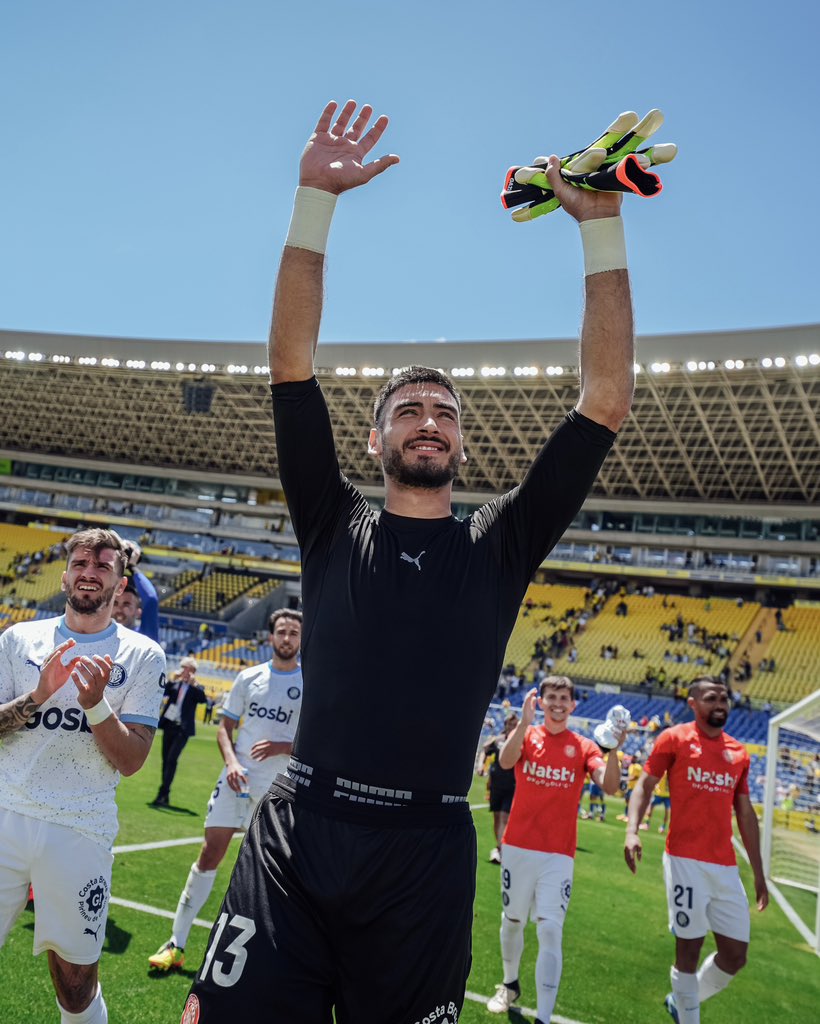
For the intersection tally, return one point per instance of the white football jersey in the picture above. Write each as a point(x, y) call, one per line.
point(52, 768)
point(268, 702)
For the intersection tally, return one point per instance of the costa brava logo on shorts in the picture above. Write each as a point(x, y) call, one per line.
point(682, 919)
point(117, 677)
point(93, 899)
point(440, 1015)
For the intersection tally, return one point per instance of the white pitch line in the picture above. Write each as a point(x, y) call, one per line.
point(144, 908)
point(554, 1019)
point(160, 845)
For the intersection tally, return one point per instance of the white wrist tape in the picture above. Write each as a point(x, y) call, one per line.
point(99, 712)
point(310, 222)
point(604, 245)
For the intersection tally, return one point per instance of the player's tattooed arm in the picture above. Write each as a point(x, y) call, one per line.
point(16, 713)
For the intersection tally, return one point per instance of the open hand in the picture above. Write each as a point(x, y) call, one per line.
point(54, 672)
point(333, 160)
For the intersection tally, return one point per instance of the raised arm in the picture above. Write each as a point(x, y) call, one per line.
point(607, 333)
point(332, 163)
point(511, 751)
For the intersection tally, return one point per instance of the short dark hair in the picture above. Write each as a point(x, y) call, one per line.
point(412, 375)
point(699, 682)
point(96, 539)
point(283, 613)
point(557, 683)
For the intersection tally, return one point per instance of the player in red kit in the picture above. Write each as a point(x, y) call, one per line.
point(708, 775)
point(537, 854)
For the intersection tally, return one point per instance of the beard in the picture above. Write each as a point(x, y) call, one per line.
point(426, 474)
point(284, 653)
point(88, 603)
point(717, 719)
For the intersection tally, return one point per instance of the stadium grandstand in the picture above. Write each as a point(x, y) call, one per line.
point(697, 550)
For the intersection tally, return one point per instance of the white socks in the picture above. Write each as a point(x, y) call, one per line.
point(685, 991)
point(548, 966)
point(192, 899)
point(512, 947)
point(95, 1013)
point(711, 979)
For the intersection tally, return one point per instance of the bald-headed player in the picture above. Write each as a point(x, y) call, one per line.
point(66, 739)
point(708, 775)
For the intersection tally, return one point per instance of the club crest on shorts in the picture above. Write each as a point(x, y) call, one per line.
point(566, 890)
point(117, 677)
point(93, 899)
point(682, 919)
point(190, 1015)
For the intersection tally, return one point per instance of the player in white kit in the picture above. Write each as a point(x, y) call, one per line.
point(79, 703)
point(268, 699)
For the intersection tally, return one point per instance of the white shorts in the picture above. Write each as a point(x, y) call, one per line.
point(227, 809)
point(705, 897)
point(534, 882)
point(71, 876)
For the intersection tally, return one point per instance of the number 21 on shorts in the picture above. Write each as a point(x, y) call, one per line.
point(683, 896)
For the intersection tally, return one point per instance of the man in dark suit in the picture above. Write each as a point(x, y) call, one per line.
point(177, 722)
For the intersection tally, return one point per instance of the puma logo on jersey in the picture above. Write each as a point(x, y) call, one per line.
point(34, 663)
point(413, 561)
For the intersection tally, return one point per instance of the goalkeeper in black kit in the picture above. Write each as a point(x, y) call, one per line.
point(352, 894)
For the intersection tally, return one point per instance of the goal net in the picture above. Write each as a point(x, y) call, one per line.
point(791, 815)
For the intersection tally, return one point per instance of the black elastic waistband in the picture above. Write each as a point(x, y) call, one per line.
point(361, 801)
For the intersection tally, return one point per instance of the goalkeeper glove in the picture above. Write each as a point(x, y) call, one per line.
point(610, 164)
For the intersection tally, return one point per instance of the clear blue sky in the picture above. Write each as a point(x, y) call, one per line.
point(150, 151)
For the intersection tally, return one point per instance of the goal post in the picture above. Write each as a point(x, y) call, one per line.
point(791, 814)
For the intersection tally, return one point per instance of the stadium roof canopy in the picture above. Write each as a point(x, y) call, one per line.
point(730, 420)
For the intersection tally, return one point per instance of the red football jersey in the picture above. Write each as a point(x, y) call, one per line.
point(549, 777)
point(704, 775)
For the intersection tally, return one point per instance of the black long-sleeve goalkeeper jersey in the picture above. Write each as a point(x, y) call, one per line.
point(406, 620)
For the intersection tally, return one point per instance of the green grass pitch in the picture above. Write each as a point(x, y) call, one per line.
point(617, 951)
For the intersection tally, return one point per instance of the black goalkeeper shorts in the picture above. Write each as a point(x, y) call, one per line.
point(324, 914)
